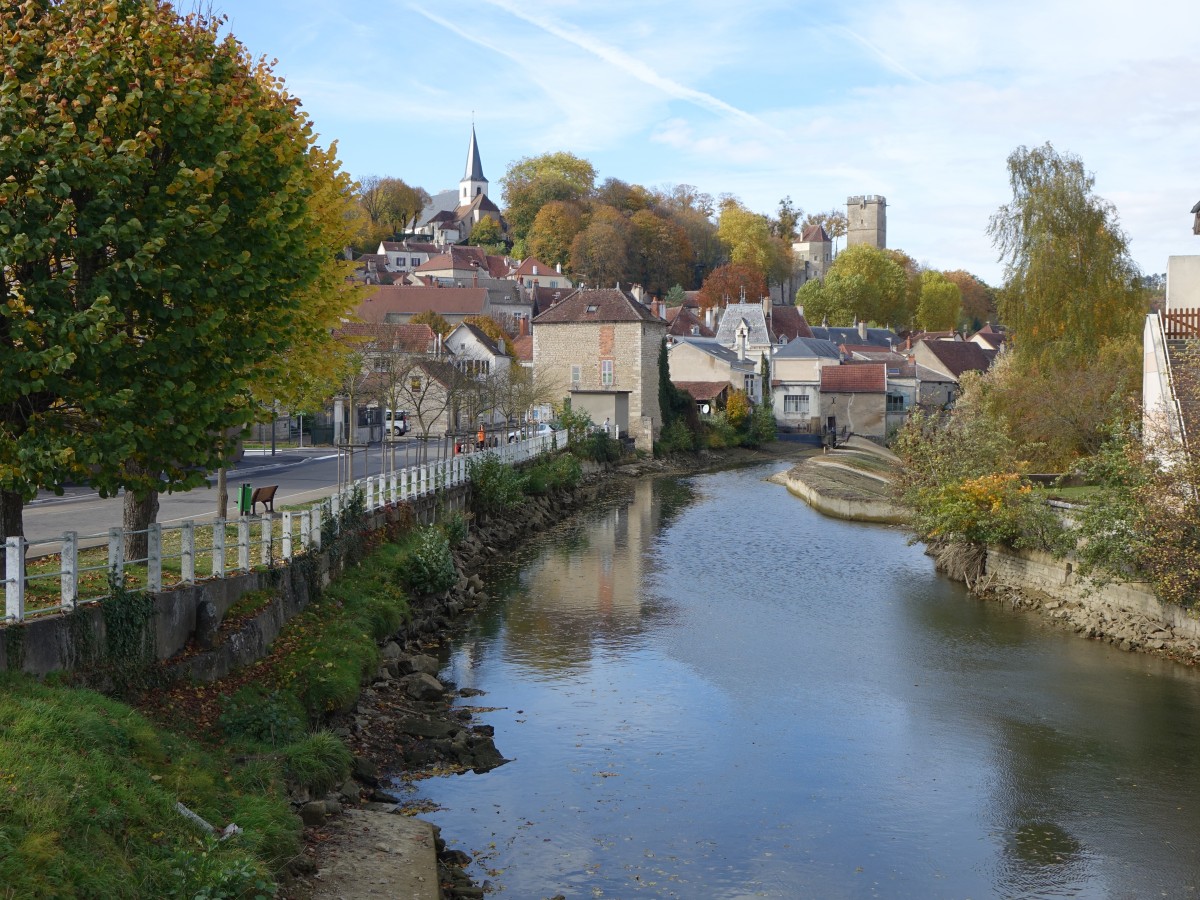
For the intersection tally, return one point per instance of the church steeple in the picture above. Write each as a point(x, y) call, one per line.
point(473, 183)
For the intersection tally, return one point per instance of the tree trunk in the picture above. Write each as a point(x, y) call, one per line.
point(222, 493)
point(11, 523)
point(141, 511)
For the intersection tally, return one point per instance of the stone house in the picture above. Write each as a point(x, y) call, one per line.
point(796, 382)
point(812, 253)
point(696, 364)
point(854, 397)
point(952, 359)
point(603, 345)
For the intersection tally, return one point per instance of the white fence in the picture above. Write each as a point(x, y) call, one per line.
point(235, 546)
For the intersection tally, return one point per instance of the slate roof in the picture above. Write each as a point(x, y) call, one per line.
point(807, 348)
point(715, 348)
point(411, 246)
point(410, 300)
point(866, 378)
point(756, 322)
point(879, 337)
point(474, 171)
point(961, 356)
point(596, 305)
point(787, 321)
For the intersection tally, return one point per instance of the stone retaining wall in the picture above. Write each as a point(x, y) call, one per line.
point(1126, 614)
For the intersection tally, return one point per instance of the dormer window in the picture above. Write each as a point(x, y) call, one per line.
point(593, 308)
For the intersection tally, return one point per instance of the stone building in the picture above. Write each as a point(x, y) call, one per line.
point(603, 346)
point(866, 221)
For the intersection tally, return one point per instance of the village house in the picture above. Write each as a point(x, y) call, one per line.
point(951, 360)
point(854, 400)
point(532, 272)
point(603, 346)
point(708, 370)
point(796, 382)
point(474, 352)
point(396, 304)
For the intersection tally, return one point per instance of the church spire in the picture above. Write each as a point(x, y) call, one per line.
point(473, 183)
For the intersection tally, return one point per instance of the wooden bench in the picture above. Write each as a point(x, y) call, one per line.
point(264, 495)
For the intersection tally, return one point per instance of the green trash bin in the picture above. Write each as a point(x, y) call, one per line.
point(244, 495)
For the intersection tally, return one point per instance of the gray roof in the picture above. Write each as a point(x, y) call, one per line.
point(442, 201)
point(756, 322)
point(880, 337)
point(474, 166)
point(807, 348)
point(713, 347)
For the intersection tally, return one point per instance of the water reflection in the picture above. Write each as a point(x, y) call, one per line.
point(711, 691)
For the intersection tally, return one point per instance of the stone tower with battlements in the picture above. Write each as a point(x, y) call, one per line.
point(866, 221)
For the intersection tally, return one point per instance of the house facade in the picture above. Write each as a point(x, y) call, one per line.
point(796, 382)
point(854, 397)
point(704, 361)
point(603, 346)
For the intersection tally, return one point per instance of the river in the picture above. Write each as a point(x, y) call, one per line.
point(708, 690)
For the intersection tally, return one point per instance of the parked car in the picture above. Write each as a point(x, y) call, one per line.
point(518, 434)
point(395, 424)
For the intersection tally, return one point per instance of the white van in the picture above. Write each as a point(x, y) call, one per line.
point(395, 424)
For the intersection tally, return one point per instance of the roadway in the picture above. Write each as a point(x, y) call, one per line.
point(303, 476)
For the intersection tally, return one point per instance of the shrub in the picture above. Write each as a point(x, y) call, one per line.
point(495, 487)
point(598, 446)
point(268, 718)
point(553, 473)
point(429, 567)
point(676, 437)
point(319, 762)
point(455, 527)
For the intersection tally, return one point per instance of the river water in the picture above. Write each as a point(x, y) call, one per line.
point(708, 690)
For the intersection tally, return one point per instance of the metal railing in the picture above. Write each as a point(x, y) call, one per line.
point(182, 554)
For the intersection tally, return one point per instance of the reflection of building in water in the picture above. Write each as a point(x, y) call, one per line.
point(602, 578)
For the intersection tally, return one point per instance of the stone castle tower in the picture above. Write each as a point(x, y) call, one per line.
point(866, 221)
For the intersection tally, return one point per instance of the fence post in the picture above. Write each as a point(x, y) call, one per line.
point(14, 581)
point(154, 558)
point(335, 511)
point(116, 555)
point(315, 527)
point(287, 536)
point(243, 543)
point(219, 548)
point(266, 533)
point(187, 552)
point(68, 578)
point(305, 528)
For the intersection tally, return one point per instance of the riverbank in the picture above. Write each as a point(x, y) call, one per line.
point(852, 482)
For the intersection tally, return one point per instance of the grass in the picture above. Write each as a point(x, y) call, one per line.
point(88, 788)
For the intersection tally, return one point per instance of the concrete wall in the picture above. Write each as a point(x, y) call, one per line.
point(63, 643)
point(1032, 570)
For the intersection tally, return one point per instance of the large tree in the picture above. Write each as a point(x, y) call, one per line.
point(600, 253)
point(661, 252)
point(532, 182)
point(1070, 284)
point(390, 204)
point(554, 230)
point(750, 241)
point(940, 302)
point(730, 284)
point(881, 294)
point(160, 239)
point(978, 300)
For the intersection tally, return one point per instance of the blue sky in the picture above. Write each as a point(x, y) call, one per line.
point(920, 101)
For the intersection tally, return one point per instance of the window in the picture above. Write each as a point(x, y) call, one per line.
point(895, 403)
point(796, 404)
point(415, 262)
point(576, 374)
point(606, 372)
point(748, 382)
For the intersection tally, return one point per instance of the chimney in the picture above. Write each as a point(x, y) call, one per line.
point(524, 327)
point(558, 268)
point(654, 308)
point(801, 308)
point(862, 329)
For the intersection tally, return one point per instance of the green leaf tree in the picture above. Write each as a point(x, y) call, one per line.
point(160, 239)
point(434, 320)
point(554, 229)
point(1070, 283)
point(940, 303)
point(881, 293)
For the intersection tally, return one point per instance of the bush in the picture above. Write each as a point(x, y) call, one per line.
point(266, 718)
point(598, 447)
point(495, 487)
point(319, 762)
point(553, 473)
point(676, 437)
point(455, 527)
point(429, 566)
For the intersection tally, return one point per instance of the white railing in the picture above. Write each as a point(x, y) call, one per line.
point(226, 547)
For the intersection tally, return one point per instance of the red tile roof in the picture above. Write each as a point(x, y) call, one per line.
point(787, 321)
point(407, 338)
point(408, 300)
point(681, 320)
point(703, 390)
point(961, 356)
point(597, 305)
point(523, 347)
point(866, 378)
point(815, 233)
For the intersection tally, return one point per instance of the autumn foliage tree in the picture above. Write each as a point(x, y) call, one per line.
point(159, 242)
point(729, 283)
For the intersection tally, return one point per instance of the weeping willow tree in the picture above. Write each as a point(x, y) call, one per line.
point(1070, 284)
